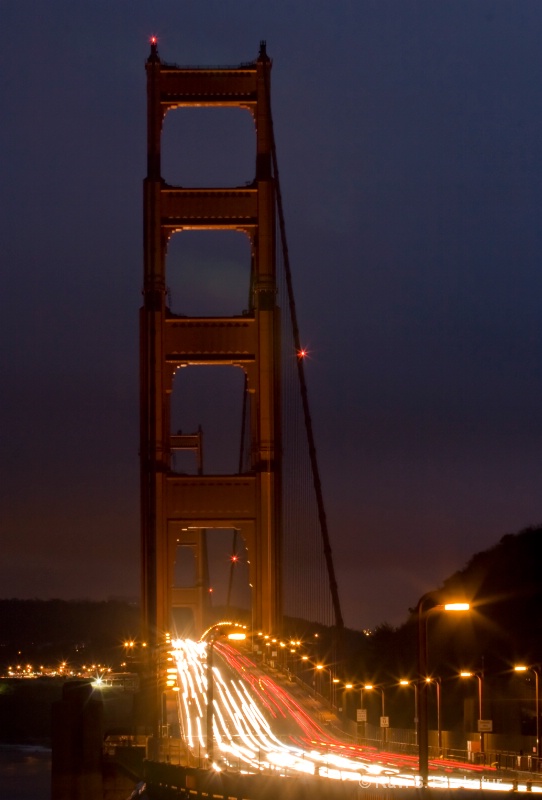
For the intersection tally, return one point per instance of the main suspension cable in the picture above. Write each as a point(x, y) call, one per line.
point(302, 383)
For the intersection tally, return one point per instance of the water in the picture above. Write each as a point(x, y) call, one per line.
point(25, 772)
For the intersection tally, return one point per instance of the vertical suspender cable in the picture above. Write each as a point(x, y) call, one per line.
point(242, 444)
point(239, 470)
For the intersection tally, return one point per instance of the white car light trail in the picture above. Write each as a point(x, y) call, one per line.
point(247, 706)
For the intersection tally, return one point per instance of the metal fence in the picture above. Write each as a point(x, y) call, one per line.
point(166, 781)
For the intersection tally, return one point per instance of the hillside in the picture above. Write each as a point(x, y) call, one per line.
point(504, 627)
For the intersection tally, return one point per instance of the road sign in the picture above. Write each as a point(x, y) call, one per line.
point(384, 722)
point(361, 715)
point(485, 725)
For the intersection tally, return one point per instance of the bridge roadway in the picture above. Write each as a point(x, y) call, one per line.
point(262, 726)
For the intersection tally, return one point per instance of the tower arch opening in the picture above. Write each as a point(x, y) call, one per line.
point(208, 147)
point(208, 273)
point(208, 397)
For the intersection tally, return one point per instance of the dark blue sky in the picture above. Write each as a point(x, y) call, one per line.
point(410, 150)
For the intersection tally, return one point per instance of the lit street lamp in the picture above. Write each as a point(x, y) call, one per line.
point(405, 682)
point(361, 713)
point(369, 687)
point(428, 680)
point(423, 612)
point(129, 652)
point(437, 683)
point(346, 688)
point(479, 676)
point(321, 668)
point(521, 668)
point(335, 682)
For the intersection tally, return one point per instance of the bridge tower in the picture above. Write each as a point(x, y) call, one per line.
point(176, 510)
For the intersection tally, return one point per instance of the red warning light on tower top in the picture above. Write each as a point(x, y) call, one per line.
point(154, 40)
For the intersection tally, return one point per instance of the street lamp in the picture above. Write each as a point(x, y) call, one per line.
point(405, 682)
point(360, 712)
point(321, 668)
point(369, 687)
point(346, 688)
point(335, 682)
point(422, 614)
point(129, 645)
point(226, 629)
point(479, 676)
point(521, 668)
point(428, 680)
point(437, 683)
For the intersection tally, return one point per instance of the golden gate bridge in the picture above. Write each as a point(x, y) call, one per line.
point(226, 707)
point(272, 507)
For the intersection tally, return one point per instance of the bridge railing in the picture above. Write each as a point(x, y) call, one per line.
point(455, 748)
point(171, 776)
point(166, 781)
point(172, 750)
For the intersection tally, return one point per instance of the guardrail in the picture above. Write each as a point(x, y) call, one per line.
point(165, 781)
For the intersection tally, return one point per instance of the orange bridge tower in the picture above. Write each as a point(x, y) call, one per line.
point(177, 509)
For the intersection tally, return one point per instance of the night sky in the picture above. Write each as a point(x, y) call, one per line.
point(409, 140)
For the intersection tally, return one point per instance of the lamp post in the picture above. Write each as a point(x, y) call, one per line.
point(321, 668)
point(346, 688)
point(369, 687)
point(437, 683)
point(405, 682)
point(534, 670)
point(335, 682)
point(129, 646)
point(360, 712)
point(423, 612)
point(220, 629)
point(479, 676)
point(304, 668)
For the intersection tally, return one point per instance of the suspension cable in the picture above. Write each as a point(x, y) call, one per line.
point(302, 382)
point(239, 470)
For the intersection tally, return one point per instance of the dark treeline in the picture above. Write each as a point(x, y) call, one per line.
point(503, 585)
point(503, 629)
point(78, 631)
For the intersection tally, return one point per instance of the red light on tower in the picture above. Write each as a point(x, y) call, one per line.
point(302, 353)
point(154, 40)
